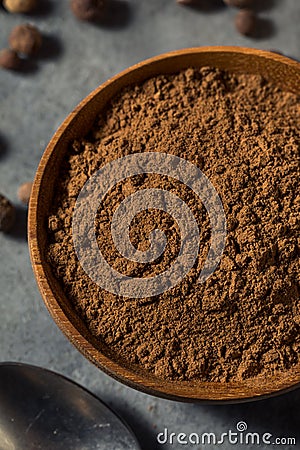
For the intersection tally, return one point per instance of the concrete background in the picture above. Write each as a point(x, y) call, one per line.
point(76, 58)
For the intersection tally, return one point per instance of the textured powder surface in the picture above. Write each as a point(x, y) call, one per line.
point(243, 133)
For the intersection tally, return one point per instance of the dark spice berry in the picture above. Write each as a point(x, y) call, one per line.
point(25, 39)
point(87, 9)
point(24, 192)
point(245, 22)
point(19, 6)
point(7, 214)
point(9, 59)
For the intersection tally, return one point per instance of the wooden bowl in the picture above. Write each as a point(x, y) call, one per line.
point(277, 69)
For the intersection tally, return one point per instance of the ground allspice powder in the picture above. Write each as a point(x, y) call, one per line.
point(243, 133)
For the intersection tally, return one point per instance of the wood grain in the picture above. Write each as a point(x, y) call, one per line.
point(277, 69)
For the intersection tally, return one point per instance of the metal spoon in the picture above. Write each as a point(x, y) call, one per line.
point(40, 409)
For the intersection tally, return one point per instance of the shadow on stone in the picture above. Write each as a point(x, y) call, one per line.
point(205, 6)
point(265, 28)
point(19, 230)
point(43, 9)
point(51, 48)
point(28, 66)
point(3, 146)
point(118, 14)
point(264, 5)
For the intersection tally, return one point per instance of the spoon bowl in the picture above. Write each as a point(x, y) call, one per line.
point(40, 409)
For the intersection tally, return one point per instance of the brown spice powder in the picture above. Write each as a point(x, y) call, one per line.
point(243, 133)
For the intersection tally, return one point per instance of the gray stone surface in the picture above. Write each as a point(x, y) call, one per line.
point(79, 57)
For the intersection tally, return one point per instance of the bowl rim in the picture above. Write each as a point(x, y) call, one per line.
point(208, 392)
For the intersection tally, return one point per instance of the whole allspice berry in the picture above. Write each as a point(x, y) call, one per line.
point(9, 59)
point(7, 214)
point(245, 22)
point(88, 9)
point(24, 192)
point(26, 39)
point(19, 6)
point(240, 3)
